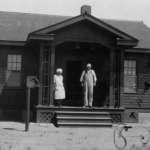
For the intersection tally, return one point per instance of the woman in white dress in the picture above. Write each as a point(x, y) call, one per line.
point(59, 90)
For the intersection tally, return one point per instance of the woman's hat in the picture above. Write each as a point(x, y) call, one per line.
point(59, 70)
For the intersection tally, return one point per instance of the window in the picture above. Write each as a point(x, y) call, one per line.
point(130, 76)
point(13, 74)
point(14, 62)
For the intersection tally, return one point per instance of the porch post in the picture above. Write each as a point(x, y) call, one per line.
point(111, 79)
point(117, 79)
point(40, 73)
point(121, 73)
point(52, 67)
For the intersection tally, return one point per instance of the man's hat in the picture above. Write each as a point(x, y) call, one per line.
point(89, 65)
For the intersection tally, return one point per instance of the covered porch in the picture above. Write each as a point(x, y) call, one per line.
point(70, 45)
point(73, 57)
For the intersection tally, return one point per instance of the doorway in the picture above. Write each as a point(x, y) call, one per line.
point(74, 91)
point(101, 91)
point(73, 86)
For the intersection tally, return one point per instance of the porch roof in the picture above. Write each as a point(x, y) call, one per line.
point(16, 26)
point(89, 18)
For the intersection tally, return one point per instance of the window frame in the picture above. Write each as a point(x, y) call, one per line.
point(136, 76)
point(19, 71)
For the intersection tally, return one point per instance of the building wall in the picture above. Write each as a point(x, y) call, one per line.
point(139, 101)
point(13, 99)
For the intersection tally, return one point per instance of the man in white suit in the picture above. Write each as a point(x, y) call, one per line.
point(88, 81)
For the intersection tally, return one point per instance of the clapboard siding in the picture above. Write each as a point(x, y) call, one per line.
point(140, 99)
point(14, 98)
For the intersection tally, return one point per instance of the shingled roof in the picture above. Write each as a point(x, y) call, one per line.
point(16, 26)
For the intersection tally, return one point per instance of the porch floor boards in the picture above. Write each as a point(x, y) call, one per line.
point(80, 108)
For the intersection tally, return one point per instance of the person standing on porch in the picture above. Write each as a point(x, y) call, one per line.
point(88, 80)
point(59, 90)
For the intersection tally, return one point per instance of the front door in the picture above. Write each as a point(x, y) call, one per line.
point(100, 63)
point(101, 91)
point(73, 87)
point(74, 91)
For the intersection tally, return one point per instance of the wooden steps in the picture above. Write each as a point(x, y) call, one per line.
point(82, 118)
point(60, 115)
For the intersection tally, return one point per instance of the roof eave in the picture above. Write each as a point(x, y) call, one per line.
point(126, 43)
point(43, 37)
point(91, 18)
point(12, 43)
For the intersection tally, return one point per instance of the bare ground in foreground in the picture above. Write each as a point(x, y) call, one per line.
point(48, 137)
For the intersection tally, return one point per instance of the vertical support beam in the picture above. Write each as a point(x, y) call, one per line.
point(121, 74)
point(28, 109)
point(117, 78)
point(111, 79)
point(52, 67)
point(49, 73)
point(40, 73)
point(115, 75)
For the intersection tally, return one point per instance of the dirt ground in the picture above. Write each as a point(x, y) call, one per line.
point(48, 137)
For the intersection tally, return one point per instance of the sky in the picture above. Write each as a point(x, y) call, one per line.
point(136, 10)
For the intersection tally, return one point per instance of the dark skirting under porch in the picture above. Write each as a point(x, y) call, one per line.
point(46, 114)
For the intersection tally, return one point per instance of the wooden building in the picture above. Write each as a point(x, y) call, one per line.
point(35, 44)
